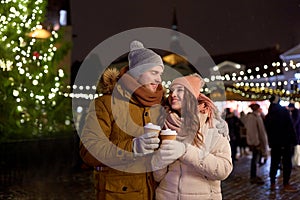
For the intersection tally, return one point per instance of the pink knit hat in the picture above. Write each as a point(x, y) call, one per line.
point(192, 82)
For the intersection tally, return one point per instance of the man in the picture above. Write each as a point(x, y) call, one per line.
point(282, 139)
point(256, 139)
point(113, 139)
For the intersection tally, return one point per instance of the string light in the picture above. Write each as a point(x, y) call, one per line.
point(262, 88)
point(29, 61)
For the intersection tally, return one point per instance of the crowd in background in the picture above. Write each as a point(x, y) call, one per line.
point(273, 135)
point(236, 122)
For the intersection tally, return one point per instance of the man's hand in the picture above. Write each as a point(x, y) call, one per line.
point(146, 143)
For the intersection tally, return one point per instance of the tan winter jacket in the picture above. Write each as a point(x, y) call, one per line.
point(111, 125)
point(198, 173)
point(256, 132)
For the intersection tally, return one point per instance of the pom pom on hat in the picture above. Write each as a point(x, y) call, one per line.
point(142, 59)
point(134, 45)
point(192, 82)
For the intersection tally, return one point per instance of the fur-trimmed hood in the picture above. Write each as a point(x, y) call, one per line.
point(108, 81)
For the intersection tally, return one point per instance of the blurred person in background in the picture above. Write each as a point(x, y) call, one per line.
point(243, 135)
point(295, 114)
point(257, 140)
point(234, 124)
point(282, 139)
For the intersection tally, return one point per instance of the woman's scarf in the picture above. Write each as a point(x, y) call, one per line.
point(173, 122)
point(205, 115)
point(142, 94)
point(210, 109)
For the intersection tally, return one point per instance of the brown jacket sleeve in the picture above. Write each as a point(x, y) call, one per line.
point(87, 157)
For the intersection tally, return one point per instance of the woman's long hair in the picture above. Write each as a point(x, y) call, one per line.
point(189, 113)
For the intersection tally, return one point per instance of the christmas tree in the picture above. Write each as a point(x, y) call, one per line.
point(33, 85)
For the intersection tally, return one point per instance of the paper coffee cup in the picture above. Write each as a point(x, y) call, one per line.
point(168, 134)
point(148, 128)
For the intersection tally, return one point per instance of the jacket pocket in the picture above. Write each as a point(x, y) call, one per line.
point(125, 187)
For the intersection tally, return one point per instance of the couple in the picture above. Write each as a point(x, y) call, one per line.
point(114, 143)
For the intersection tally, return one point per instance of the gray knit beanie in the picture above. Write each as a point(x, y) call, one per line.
point(142, 59)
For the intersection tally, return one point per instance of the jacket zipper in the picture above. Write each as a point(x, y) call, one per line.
point(179, 182)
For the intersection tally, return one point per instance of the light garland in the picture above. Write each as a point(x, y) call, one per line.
point(27, 59)
point(274, 72)
point(259, 90)
point(260, 86)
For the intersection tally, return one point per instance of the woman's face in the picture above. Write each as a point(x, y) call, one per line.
point(176, 101)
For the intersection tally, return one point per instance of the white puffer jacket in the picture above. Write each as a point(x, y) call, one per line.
point(198, 173)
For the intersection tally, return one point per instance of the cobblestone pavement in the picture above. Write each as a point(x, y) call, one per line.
point(77, 186)
point(238, 187)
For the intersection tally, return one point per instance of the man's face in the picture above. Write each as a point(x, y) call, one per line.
point(177, 92)
point(151, 78)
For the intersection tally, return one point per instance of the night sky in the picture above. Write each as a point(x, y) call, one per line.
point(221, 27)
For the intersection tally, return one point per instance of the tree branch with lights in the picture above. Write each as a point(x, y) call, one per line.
point(33, 82)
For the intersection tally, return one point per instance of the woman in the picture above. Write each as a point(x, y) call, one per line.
point(193, 165)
